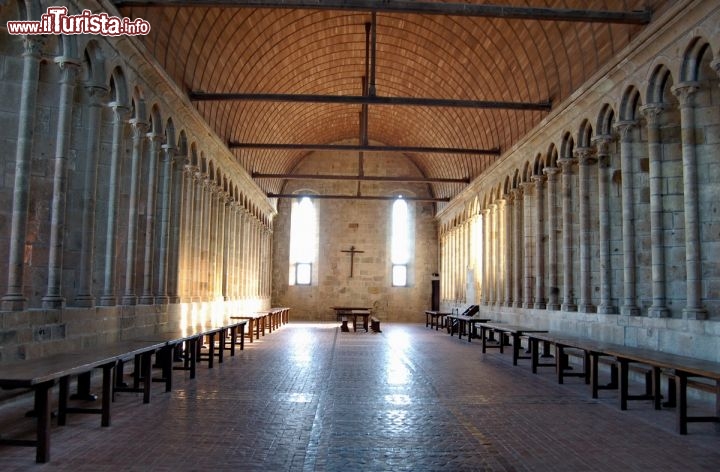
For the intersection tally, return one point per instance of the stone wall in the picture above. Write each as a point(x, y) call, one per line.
point(603, 220)
point(364, 224)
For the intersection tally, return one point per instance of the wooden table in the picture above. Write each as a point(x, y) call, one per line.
point(435, 318)
point(345, 313)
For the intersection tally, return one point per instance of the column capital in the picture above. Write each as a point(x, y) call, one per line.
point(500, 202)
point(551, 172)
point(602, 143)
point(68, 67)
point(154, 137)
point(120, 110)
point(96, 93)
point(685, 92)
point(516, 193)
point(538, 179)
point(566, 164)
point(652, 112)
point(585, 155)
point(625, 128)
point(139, 127)
point(33, 46)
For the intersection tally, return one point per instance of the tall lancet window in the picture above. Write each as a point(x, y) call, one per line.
point(303, 241)
point(401, 243)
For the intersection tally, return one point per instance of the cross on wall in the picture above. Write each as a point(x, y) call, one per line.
point(352, 253)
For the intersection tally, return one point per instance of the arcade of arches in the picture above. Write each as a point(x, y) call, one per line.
point(122, 206)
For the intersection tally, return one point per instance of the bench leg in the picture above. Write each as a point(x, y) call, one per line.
point(623, 383)
point(42, 404)
point(681, 394)
point(107, 379)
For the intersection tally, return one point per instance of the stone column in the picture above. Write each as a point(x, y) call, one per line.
point(147, 297)
point(214, 236)
point(657, 241)
point(602, 144)
point(508, 237)
point(568, 304)
point(96, 96)
point(168, 154)
point(554, 292)
point(108, 297)
point(225, 222)
point(500, 240)
point(177, 238)
point(629, 307)
point(528, 259)
point(187, 248)
point(15, 299)
point(53, 296)
point(486, 228)
point(139, 131)
point(492, 252)
point(518, 227)
point(694, 310)
point(585, 158)
point(196, 255)
point(539, 246)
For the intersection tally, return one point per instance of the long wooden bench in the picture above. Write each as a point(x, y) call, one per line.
point(41, 375)
point(435, 319)
point(682, 368)
point(465, 324)
point(260, 321)
point(515, 332)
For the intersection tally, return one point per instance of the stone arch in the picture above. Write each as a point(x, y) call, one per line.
point(139, 112)
point(567, 147)
point(194, 155)
point(538, 164)
point(527, 172)
point(605, 120)
point(630, 104)
point(94, 65)
point(697, 55)
point(658, 91)
point(182, 143)
point(68, 46)
point(118, 88)
point(551, 156)
point(170, 132)
point(585, 133)
point(516, 179)
point(156, 126)
point(203, 164)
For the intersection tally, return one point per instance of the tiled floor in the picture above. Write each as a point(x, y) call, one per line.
point(309, 397)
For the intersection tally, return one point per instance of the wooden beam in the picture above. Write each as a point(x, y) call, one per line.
point(197, 96)
point(364, 148)
point(640, 17)
point(356, 197)
point(364, 178)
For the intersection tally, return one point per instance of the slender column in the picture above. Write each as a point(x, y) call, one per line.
point(139, 131)
point(507, 237)
point(528, 273)
point(246, 255)
point(237, 279)
point(552, 228)
point(602, 144)
point(187, 248)
point(196, 255)
point(540, 301)
point(568, 303)
point(486, 228)
point(629, 307)
point(657, 241)
point(147, 297)
point(176, 239)
point(168, 154)
point(518, 228)
point(215, 240)
point(586, 158)
point(53, 297)
point(14, 299)
point(694, 310)
point(492, 246)
point(500, 252)
point(108, 296)
point(96, 96)
point(225, 246)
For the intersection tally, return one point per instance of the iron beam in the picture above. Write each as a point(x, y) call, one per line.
point(364, 178)
point(356, 197)
point(364, 148)
point(639, 17)
point(197, 96)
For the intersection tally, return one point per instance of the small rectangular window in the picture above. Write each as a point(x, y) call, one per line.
point(399, 275)
point(303, 273)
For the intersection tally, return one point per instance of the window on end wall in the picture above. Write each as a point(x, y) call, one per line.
point(400, 243)
point(303, 241)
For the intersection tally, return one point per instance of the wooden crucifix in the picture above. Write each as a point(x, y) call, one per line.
point(352, 252)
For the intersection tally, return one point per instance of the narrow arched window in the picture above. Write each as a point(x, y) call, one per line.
point(400, 245)
point(303, 241)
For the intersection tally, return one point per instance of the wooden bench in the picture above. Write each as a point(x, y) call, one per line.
point(41, 375)
point(435, 319)
point(375, 325)
point(347, 314)
point(513, 332)
point(680, 368)
point(465, 324)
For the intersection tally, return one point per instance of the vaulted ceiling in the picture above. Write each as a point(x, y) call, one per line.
point(502, 68)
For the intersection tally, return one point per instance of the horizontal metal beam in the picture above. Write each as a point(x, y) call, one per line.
point(356, 197)
point(363, 148)
point(196, 96)
point(424, 8)
point(364, 178)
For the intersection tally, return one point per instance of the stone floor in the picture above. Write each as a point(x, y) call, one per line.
point(309, 397)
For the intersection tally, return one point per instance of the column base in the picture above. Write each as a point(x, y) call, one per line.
point(84, 301)
point(568, 307)
point(53, 302)
point(109, 300)
point(174, 299)
point(162, 300)
point(539, 305)
point(630, 310)
point(607, 309)
point(695, 314)
point(129, 300)
point(508, 303)
point(553, 306)
point(587, 308)
point(13, 302)
point(528, 305)
point(658, 312)
point(518, 304)
point(146, 300)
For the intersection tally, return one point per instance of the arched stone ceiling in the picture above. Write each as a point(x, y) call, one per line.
point(293, 51)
